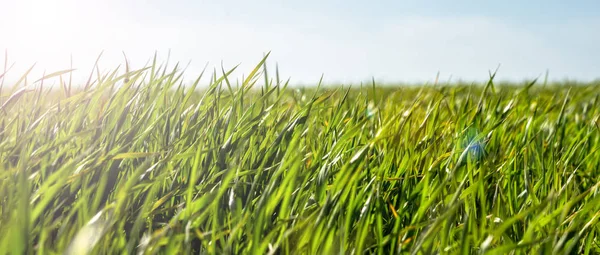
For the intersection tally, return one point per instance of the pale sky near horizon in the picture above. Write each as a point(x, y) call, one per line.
point(347, 41)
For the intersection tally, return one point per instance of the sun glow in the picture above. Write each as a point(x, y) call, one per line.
point(47, 33)
point(42, 26)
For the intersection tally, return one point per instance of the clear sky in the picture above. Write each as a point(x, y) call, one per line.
point(348, 41)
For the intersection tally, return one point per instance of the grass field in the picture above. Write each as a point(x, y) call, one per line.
point(139, 163)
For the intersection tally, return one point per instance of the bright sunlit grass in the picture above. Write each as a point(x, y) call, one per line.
point(140, 162)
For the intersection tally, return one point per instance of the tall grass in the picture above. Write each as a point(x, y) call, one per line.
point(143, 163)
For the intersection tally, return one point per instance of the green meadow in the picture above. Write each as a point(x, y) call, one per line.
point(143, 162)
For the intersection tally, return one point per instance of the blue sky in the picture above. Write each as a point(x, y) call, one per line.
point(347, 41)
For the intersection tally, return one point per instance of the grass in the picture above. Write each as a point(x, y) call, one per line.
point(142, 163)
